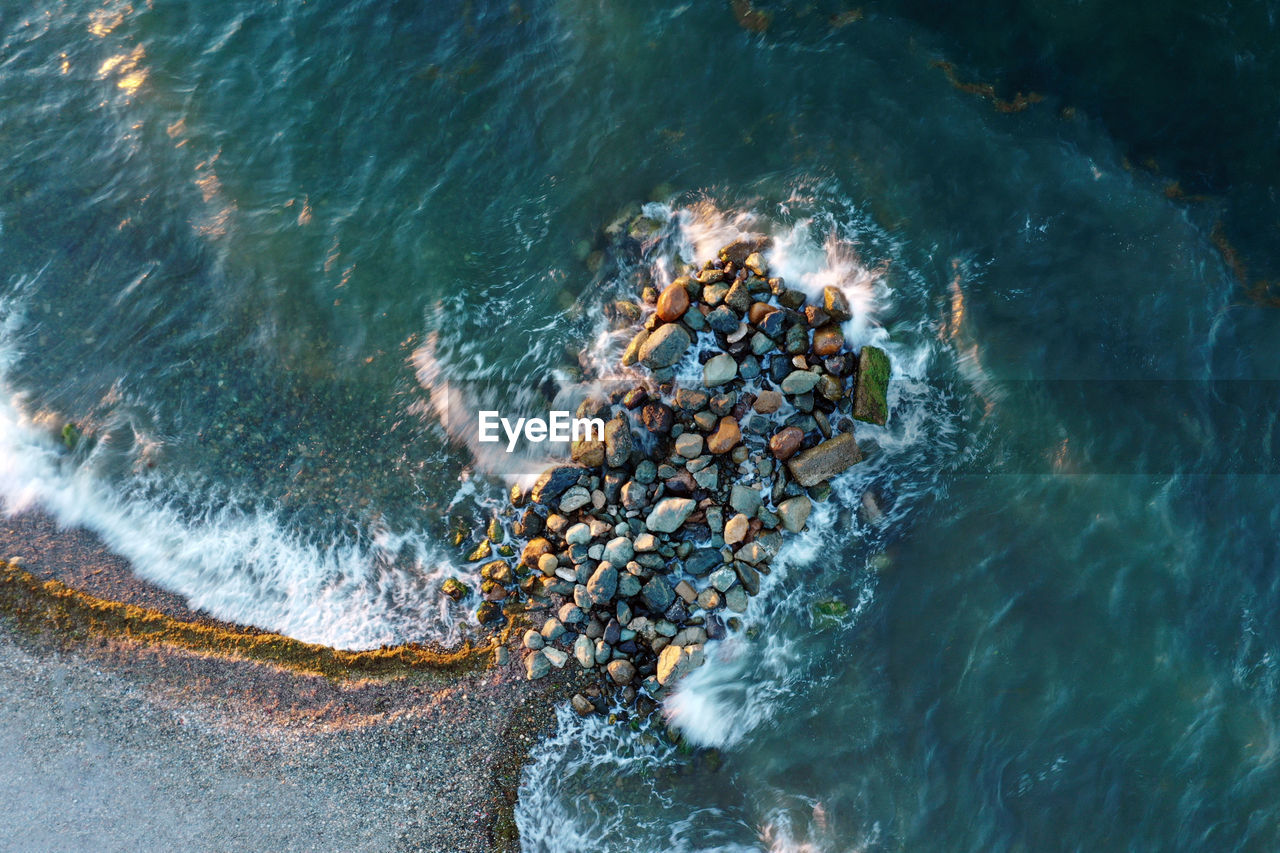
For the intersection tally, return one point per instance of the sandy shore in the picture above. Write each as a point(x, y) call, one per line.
point(106, 740)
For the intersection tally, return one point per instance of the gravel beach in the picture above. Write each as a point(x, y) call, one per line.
point(107, 743)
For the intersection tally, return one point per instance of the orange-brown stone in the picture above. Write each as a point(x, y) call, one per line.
point(726, 436)
point(786, 442)
point(673, 302)
point(828, 340)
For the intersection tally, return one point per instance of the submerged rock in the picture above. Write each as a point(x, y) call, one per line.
point(825, 461)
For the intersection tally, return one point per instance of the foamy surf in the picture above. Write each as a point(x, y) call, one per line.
point(237, 562)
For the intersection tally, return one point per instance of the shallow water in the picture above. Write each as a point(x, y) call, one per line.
point(267, 256)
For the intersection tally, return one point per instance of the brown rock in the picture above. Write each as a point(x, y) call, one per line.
point(786, 442)
point(657, 418)
point(738, 251)
point(758, 311)
point(726, 436)
point(825, 461)
point(835, 304)
point(588, 453)
point(534, 550)
point(815, 316)
point(738, 298)
point(768, 402)
point(828, 340)
point(673, 302)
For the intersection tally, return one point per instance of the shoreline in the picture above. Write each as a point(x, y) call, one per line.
point(445, 732)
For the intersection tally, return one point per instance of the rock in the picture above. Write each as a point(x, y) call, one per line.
point(756, 552)
point(768, 402)
point(835, 304)
point(588, 452)
point(628, 585)
point(685, 590)
point(708, 478)
point(552, 630)
point(483, 550)
point(738, 299)
point(533, 640)
point(646, 542)
point(735, 530)
point(536, 666)
point(575, 498)
point(603, 584)
point(689, 445)
point(578, 534)
point(665, 346)
point(553, 483)
point(797, 340)
point(498, 570)
point(724, 578)
point(584, 651)
point(710, 598)
point(533, 552)
point(736, 600)
point(657, 594)
point(827, 340)
point(786, 442)
point(618, 551)
point(617, 442)
point(738, 251)
point(621, 671)
point(556, 657)
point(726, 436)
point(831, 388)
point(632, 353)
point(570, 613)
point(870, 394)
point(815, 316)
point(676, 662)
point(755, 262)
point(748, 577)
point(454, 588)
point(719, 370)
point(669, 514)
point(658, 419)
point(691, 399)
point(582, 705)
point(673, 302)
point(548, 563)
point(794, 512)
point(745, 499)
point(800, 382)
point(488, 612)
point(825, 461)
point(702, 561)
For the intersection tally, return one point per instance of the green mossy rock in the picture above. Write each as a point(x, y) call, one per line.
point(870, 395)
point(829, 612)
point(70, 436)
point(482, 551)
point(454, 588)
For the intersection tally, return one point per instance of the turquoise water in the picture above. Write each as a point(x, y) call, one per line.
point(267, 255)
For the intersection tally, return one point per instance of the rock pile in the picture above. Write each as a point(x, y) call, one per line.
point(649, 543)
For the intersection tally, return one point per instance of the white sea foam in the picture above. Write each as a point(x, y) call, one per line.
point(237, 563)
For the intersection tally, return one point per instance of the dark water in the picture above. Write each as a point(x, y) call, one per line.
point(254, 249)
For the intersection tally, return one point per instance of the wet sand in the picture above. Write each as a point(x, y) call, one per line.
point(106, 741)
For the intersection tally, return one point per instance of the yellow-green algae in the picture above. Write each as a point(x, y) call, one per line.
point(37, 604)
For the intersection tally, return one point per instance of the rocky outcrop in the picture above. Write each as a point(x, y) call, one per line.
point(655, 542)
